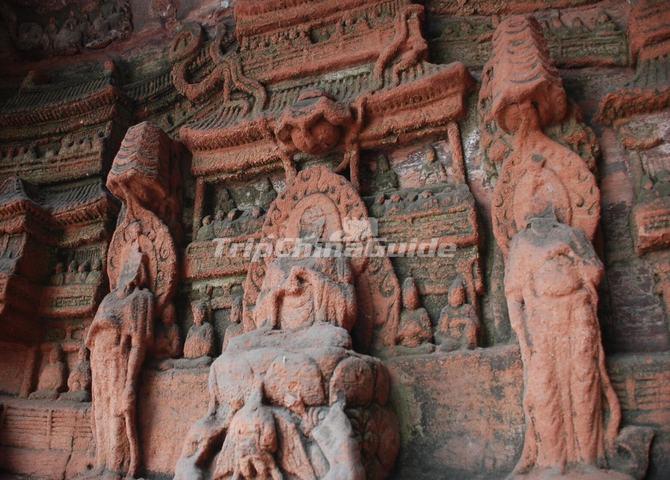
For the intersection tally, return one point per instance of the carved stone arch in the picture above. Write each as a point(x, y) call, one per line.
point(377, 286)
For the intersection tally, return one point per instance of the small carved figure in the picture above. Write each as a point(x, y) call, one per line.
point(167, 338)
point(199, 343)
point(79, 381)
point(225, 203)
point(82, 272)
point(52, 378)
point(385, 178)
point(458, 326)
point(415, 327)
point(252, 441)
point(58, 277)
point(206, 231)
point(95, 275)
point(235, 326)
point(265, 194)
point(432, 169)
point(71, 274)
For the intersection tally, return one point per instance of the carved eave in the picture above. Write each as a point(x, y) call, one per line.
point(45, 111)
point(651, 225)
point(314, 36)
point(439, 95)
point(65, 218)
point(224, 143)
point(259, 16)
point(53, 217)
point(62, 131)
point(649, 42)
point(642, 94)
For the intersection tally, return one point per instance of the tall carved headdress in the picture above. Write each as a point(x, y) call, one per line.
point(145, 177)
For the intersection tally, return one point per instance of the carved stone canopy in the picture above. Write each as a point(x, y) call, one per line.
point(145, 176)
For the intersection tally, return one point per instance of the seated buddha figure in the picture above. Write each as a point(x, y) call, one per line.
point(281, 395)
point(52, 377)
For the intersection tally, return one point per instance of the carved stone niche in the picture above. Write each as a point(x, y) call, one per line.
point(291, 398)
point(142, 269)
point(545, 210)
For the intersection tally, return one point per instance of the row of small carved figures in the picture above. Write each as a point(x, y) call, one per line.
point(555, 26)
point(198, 351)
point(85, 272)
point(458, 328)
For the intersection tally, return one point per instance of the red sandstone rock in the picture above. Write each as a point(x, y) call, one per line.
point(334, 121)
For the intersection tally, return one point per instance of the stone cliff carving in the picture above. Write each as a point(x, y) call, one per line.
point(96, 28)
point(200, 339)
point(458, 326)
point(118, 339)
point(539, 172)
point(278, 393)
point(142, 265)
point(551, 283)
point(649, 44)
point(415, 327)
point(227, 72)
point(52, 377)
point(145, 174)
point(79, 381)
point(545, 210)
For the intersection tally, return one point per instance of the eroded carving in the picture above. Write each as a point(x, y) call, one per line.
point(551, 283)
point(119, 338)
point(75, 30)
point(142, 266)
point(546, 208)
point(278, 393)
point(458, 326)
point(79, 380)
point(52, 377)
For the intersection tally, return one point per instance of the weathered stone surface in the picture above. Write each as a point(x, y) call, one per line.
point(158, 161)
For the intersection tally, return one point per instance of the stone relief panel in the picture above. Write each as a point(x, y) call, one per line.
point(62, 29)
point(296, 116)
point(300, 314)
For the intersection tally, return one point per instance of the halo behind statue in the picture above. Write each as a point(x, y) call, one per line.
point(324, 207)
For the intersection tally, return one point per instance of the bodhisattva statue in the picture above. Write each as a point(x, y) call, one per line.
point(118, 339)
point(278, 393)
point(551, 284)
